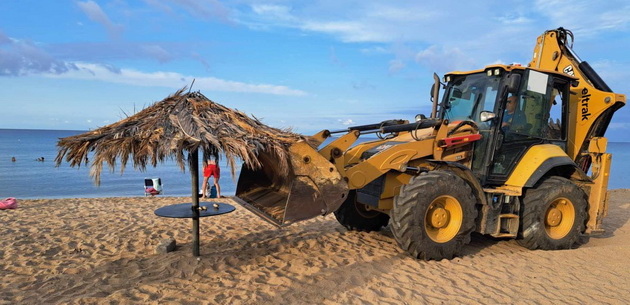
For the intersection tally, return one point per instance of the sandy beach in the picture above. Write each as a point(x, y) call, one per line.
point(102, 251)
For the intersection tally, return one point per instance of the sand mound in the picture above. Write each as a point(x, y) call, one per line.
point(77, 251)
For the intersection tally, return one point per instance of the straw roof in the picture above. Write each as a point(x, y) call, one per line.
point(182, 122)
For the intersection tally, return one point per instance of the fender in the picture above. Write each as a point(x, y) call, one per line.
point(465, 173)
point(540, 160)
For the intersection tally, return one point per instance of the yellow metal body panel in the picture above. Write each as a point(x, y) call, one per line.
point(506, 68)
point(353, 156)
point(405, 147)
point(396, 159)
point(598, 197)
point(342, 144)
point(598, 145)
point(320, 137)
point(530, 162)
point(393, 183)
point(334, 150)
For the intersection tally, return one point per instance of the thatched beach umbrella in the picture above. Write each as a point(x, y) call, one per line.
point(177, 127)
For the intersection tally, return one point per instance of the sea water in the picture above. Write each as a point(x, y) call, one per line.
point(28, 178)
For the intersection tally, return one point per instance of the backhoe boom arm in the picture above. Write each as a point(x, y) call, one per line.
point(591, 106)
point(592, 102)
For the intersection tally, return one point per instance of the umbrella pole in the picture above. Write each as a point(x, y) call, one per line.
point(194, 173)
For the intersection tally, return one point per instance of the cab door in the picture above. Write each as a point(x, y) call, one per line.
point(538, 117)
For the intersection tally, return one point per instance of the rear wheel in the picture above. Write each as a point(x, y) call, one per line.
point(356, 217)
point(554, 215)
point(434, 215)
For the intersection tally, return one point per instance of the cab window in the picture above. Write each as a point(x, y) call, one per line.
point(468, 95)
point(531, 110)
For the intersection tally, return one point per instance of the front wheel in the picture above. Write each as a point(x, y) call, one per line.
point(554, 215)
point(434, 215)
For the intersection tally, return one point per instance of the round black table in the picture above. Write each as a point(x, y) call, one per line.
point(184, 210)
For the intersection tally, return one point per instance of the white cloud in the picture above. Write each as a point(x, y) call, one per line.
point(363, 21)
point(401, 13)
point(396, 65)
point(586, 18)
point(347, 31)
point(613, 73)
point(96, 14)
point(203, 9)
point(278, 12)
point(619, 126)
point(21, 57)
point(514, 19)
point(459, 30)
point(405, 29)
point(444, 60)
point(346, 122)
point(88, 71)
point(475, 29)
point(374, 50)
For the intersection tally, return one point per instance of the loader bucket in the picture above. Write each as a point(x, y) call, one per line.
point(312, 187)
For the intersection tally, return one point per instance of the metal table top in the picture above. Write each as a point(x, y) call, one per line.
point(184, 210)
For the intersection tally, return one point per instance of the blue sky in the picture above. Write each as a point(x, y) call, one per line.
point(308, 65)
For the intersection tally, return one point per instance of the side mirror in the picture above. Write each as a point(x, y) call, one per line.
point(485, 116)
point(512, 82)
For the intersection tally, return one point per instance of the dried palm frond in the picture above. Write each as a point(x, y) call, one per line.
point(179, 124)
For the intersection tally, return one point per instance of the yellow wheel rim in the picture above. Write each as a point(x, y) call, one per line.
point(443, 219)
point(559, 218)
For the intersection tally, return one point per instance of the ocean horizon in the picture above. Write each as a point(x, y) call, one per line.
point(28, 178)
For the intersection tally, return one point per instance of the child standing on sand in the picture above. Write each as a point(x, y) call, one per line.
point(211, 168)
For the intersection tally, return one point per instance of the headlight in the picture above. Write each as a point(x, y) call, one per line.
point(497, 72)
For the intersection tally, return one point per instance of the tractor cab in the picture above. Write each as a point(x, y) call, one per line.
point(514, 108)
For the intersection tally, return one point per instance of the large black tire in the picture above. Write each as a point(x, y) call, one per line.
point(434, 215)
point(355, 217)
point(554, 215)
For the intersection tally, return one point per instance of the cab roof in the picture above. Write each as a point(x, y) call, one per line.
point(510, 68)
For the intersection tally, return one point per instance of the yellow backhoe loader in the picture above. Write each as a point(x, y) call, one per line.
point(510, 151)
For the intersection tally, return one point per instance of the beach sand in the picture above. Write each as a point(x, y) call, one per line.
point(102, 251)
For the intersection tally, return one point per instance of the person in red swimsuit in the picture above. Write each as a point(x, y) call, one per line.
point(211, 168)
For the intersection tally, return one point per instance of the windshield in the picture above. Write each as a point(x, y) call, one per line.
point(468, 95)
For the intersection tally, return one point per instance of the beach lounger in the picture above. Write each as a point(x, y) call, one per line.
point(152, 186)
